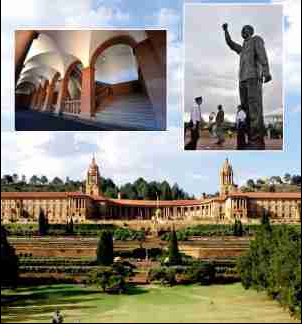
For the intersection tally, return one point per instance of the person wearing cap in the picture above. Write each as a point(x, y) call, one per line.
point(253, 72)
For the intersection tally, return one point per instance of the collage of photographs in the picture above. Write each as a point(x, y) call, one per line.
point(151, 161)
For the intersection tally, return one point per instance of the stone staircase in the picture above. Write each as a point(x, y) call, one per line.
point(133, 111)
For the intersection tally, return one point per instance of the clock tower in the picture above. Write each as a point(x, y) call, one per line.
point(93, 179)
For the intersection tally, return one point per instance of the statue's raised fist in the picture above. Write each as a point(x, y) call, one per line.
point(225, 26)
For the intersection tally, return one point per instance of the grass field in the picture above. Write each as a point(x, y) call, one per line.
point(180, 304)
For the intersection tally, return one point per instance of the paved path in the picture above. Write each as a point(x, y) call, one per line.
point(205, 142)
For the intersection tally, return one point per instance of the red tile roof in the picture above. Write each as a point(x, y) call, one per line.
point(40, 195)
point(155, 203)
point(267, 195)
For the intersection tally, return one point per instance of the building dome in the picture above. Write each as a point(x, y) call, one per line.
point(93, 167)
point(93, 179)
point(226, 178)
point(227, 168)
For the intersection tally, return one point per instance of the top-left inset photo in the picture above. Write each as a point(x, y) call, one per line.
point(90, 80)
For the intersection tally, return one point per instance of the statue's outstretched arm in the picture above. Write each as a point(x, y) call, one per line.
point(261, 55)
point(232, 45)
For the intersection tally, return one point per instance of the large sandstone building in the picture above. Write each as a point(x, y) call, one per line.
point(89, 205)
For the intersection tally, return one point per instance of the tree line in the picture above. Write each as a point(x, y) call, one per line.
point(140, 189)
point(274, 184)
point(273, 264)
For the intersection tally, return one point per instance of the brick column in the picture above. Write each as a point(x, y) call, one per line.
point(158, 40)
point(44, 91)
point(37, 101)
point(34, 96)
point(49, 95)
point(88, 92)
point(23, 42)
point(62, 95)
point(154, 77)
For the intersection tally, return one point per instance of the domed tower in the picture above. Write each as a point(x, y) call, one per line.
point(226, 179)
point(93, 179)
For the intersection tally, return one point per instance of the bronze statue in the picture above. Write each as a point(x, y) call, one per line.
point(253, 72)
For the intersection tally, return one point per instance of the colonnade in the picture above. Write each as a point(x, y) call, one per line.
point(151, 58)
point(167, 213)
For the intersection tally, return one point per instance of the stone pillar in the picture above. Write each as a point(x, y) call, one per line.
point(62, 95)
point(23, 42)
point(49, 95)
point(88, 92)
point(154, 78)
point(33, 101)
point(43, 96)
point(38, 99)
point(158, 40)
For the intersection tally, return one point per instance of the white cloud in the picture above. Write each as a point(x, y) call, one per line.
point(169, 18)
point(44, 13)
point(211, 68)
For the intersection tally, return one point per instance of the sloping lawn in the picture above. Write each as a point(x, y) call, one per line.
point(180, 304)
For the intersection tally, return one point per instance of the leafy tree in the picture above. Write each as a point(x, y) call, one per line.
point(69, 227)
point(260, 182)
point(111, 279)
point(238, 228)
point(15, 178)
point(105, 249)
point(287, 177)
point(165, 191)
point(34, 180)
point(44, 180)
point(8, 179)
point(127, 191)
point(141, 187)
point(42, 223)
point(173, 249)
point(273, 263)
point(111, 192)
point(250, 183)
point(296, 180)
point(9, 261)
point(57, 181)
point(265, 221)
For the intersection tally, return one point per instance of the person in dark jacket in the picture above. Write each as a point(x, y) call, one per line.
point(253, 73)
point(220, 125)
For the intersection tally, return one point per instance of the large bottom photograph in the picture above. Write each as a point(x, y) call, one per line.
point(93, 251)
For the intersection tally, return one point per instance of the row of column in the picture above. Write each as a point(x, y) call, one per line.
point(239, 203)
point(180, 212)
point(153, 73)
point(77, 203)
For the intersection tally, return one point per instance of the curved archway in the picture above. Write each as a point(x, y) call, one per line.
point(67, 103)
point(51, 93)
point(123, 39)
point(94, 93)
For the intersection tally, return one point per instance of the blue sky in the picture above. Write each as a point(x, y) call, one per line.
point(126, 156)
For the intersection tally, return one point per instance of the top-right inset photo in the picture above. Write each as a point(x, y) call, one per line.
point(233, 77)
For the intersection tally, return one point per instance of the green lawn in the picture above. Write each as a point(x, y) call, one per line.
point(181, 304)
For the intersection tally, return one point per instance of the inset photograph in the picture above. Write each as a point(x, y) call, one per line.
point(233, 82)
point(73, 80)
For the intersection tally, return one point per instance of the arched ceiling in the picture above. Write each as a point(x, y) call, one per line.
point(54, 50)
